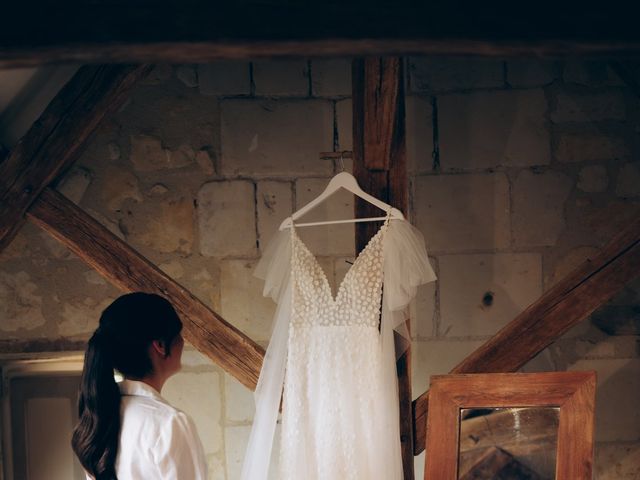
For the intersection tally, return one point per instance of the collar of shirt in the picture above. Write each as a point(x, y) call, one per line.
point(139, 389)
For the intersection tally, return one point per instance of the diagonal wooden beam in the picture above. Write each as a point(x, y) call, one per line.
point(227, 346)
point(560, 308)
point(57, 138)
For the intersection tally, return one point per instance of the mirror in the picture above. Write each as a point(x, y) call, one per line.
point(508, 426)
point(508, 443)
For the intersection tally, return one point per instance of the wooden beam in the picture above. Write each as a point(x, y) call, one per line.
point(564, 305)
point(379, 165)
point(227, 346)
point(195, 31)
point(58, 137)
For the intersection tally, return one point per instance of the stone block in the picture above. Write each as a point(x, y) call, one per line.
point(436, 357)
point(166, 227)
point(174, 268)
point(202, 278)
point(479, 294)
point(418, 465)
point(175, 116)
point(20, 302)
point(590, 146)
point(424, 310)
point(109, 224)
point(344, 116)
point(335, 239)
point(236, 440)
point(590, 73)
point(188, 75)
point(419, 128)
point(116, 186)
point(527, 73)
point(275, 203)
point(538, 207)
point(199, 395)
point(617, 414)
point(226, 218)
point(542, 362)
point(277, 77)
point(490, 129)
point(242, 302)
point(463, 212)
point(216, 467)
point(148, 154)
point(432, 74)
point(588, 107)
point(593, 178)
point(628, 184)
point(270, 137)
point(331, 77)
point(239, 402)
point(75, 184)
point(204, 161)
point(617, 461)
point(607, 220)
point(80, 316)
point(192, 358)
point(570, 261)
point(226, 77)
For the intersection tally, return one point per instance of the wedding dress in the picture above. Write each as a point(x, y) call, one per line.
point(334, 359)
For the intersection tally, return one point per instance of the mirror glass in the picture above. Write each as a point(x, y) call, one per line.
point(508, 443)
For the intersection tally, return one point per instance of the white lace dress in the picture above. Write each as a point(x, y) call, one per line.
point(334, 359)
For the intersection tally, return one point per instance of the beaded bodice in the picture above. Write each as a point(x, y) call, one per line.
point(357, 300)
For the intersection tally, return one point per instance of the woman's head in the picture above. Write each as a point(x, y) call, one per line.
point(130, 325)
point(138, 332)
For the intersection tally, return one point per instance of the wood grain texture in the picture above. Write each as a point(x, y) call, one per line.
point(58, 137)
point(564, 305)
point(572, 392)
point(128, 270)
point(379, 165)
point(195, 31)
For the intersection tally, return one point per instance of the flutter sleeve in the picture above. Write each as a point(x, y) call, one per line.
point(406, 264)
point(274, 268)
point(275, 265)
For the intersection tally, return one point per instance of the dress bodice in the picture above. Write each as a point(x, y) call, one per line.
point(357, 300)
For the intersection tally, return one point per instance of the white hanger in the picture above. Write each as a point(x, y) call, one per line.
point(347, 181)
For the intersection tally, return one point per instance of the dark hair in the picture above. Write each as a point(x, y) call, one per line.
point(127, 328)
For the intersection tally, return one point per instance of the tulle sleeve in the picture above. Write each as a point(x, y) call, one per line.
point(406, 264)
point(274, 266)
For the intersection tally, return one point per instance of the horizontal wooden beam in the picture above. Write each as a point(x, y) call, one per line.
point(564, 305)
point(58, 137)
point(227, 346)
point(194, 31)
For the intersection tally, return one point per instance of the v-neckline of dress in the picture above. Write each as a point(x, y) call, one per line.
point(325, 279)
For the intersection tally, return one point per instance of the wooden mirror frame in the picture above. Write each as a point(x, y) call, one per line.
point(572, 392)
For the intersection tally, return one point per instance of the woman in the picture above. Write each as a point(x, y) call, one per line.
point(127, 431)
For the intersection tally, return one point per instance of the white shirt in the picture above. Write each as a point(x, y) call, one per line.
point(157, 441)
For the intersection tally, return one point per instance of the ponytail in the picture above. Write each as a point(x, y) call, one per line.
point(95, 437)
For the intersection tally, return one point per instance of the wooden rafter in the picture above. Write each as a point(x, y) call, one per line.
point(236, 353)
point(57, 138)
point(198, 31)
point(566, 304)
point(379, 165)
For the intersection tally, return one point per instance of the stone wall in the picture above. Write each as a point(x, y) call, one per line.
point(533, 171)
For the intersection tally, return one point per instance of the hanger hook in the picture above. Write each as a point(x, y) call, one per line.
point(341, 162)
